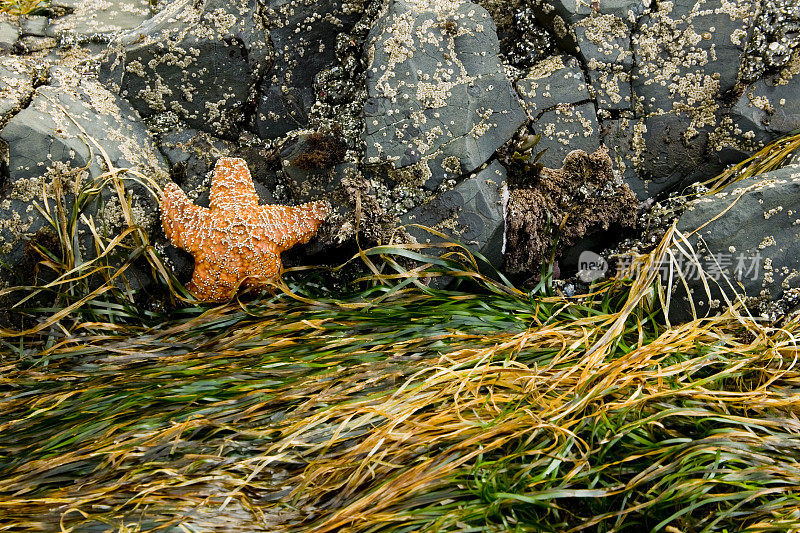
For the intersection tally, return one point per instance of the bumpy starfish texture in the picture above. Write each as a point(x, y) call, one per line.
point(235, 241)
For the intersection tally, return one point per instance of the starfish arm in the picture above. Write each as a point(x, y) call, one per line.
point(211, 281)
point(232, 185)
point(294, 225)
point(266, 264)
point(183, 222)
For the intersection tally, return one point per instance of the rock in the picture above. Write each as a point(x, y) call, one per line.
point(564, 129)
point(664, 109)
point(96, 20)
point(599, 34)
point(774, 39)
point(563, 16)
point(314, 164)
point(673, 152)
point(611, 88)
point(471, 213)
point(750, 232)
point(572, 12)
point(769, 107)
point(523, 40)
point(16, 85)
point(33, 25)
point(439, 99)
point(191, 155)
point(624, 137)
point(200, 60)
point(45, 131)
point(8, 36)
point(555, 81)
point(663, 153)
point(688, 54)
point(304, 36)
point(604, 46)
point(30, 44)
point(51, 148)
point(584, 194)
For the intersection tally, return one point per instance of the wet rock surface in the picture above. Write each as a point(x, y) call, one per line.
point(400, 112)
point(471, 213)
point(57, 147)
point(303, 35)
point(773, 39)
point(567, 128)
point(438, 96)
point(78, 122)
point(314, 164)
point(88, 21)
point(676, 82)
point(746, 239)
point(8, 36)
point(555, 81)
point(199, 60)
point(688, 54)
point(769, 107)
point(17, 77)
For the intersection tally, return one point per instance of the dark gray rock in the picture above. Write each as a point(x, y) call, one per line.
point(605, 40)
point(625, 139)
point(312, 182)
point(564, 17)
point(564, 129)
point(97, 21)
point(35, 25)
point(46, 130)
point(774, 39)
point(303, 34)
point(769, 108)
point(555, 81)
point(439, 99)
point(604, 46)
point(471, 213)
point(679, 87)
point(523, 40)
point(688, 54)
point(671, 152)
point(696, 112)
point(611, 88)
point(191, 156)
point(8, 36)
point(200, 60)
point(57, 144)
point(29, 44)
point(663, 153)
point(571, 11)
point(16, 85)
point(750, 232)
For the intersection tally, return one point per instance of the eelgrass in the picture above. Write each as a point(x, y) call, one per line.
point(399, 407)
point(772, 156)
point(23, 7)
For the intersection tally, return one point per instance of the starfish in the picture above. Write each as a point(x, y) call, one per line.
point(235, 241)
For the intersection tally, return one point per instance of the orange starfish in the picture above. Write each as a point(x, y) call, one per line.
point(235, 241)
